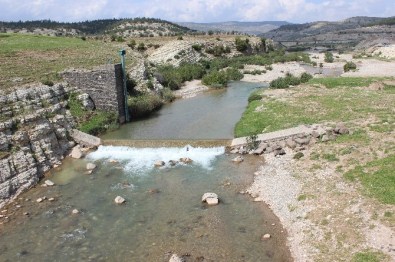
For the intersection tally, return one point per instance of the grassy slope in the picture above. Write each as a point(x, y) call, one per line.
point(40, 58)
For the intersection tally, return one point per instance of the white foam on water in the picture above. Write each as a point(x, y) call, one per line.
point(143, 159)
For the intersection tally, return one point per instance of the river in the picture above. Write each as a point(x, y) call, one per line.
point(163, 213)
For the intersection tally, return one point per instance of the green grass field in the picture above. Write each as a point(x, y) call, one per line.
point(345, 100)
point(32, 58)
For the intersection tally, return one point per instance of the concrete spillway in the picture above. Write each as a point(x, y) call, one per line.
point(166, 143)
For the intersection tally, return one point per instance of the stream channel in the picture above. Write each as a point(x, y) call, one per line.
point(163, 213)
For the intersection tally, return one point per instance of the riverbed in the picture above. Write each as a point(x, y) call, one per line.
point(163, 213)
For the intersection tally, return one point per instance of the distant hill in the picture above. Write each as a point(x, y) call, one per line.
point(252, 28)
point(300, 31)
point(348, 32)
point(120, 27)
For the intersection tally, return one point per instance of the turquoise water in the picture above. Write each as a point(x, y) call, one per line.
point(163, 213)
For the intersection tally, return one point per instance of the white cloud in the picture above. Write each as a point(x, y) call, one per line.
point(195, 10)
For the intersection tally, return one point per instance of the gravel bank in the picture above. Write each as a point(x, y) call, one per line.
point(276, 185)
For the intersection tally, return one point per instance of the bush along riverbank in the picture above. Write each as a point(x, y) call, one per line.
point(332, 194)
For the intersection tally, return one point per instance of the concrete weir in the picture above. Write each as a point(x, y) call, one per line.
point(167, 143)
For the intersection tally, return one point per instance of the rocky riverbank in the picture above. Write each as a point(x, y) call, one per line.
point(34, 136)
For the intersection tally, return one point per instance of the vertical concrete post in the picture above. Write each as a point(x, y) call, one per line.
point(120, 93)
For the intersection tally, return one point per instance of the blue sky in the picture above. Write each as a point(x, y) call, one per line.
point(296, 11)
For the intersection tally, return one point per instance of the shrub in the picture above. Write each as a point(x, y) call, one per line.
point(289, 79)
point(143, 104)
point(219, 79)
point(132, 44)
point(172, 77)
point(329, 57)
point(255, 96)
point(197, 47)
point(167, 95)
point(305, 77)
point(83, 38)
point(47, 82)
point(141, 47)
point(99, 122)
point(216, 79)
point(349, 66)
point(242, 45)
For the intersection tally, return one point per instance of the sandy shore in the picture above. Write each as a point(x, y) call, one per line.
point(190, 89)
point(279, 70)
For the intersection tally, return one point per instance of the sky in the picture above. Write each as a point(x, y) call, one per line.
point(295, 11)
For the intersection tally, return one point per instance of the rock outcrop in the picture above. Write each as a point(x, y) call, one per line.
point(34, 135)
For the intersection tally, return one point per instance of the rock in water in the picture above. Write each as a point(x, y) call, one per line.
point(186, 160)
point(266, 236)
point(238, 159)
point(210, 198)
point(90, 166)
point(176, 258)
point(159, 163)
point(119, 200)
point(49, 183)
point(75, 211)
point(76, 152)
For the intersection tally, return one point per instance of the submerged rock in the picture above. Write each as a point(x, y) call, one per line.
point(238, 159)
point(90, 166)
point(119, 200)
point(210, 198)
point(49, 183)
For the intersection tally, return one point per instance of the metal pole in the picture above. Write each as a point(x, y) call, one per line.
point(125, 92)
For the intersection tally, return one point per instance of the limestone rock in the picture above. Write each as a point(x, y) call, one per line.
point(238, 159)
point(279, 152)
point(159, 163)
point(75, 211)
point(302, 141)
point(186, 160)
point(39, 200)
point(90, 166)
point(210, 198)
point(290, 143)
point(76, 152)
point(86, 101)
point(325, 138)
point(119, 200)
point(176, 258)
point(266, 236)
point(341, 129)
point(49, 183)
point(173, 162)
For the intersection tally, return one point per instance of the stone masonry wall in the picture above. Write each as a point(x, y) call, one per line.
point(34, 135)
point(103, 84)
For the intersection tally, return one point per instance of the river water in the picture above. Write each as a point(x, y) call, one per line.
point(163, 213)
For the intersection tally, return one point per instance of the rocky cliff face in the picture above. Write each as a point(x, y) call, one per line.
point(34, 135)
